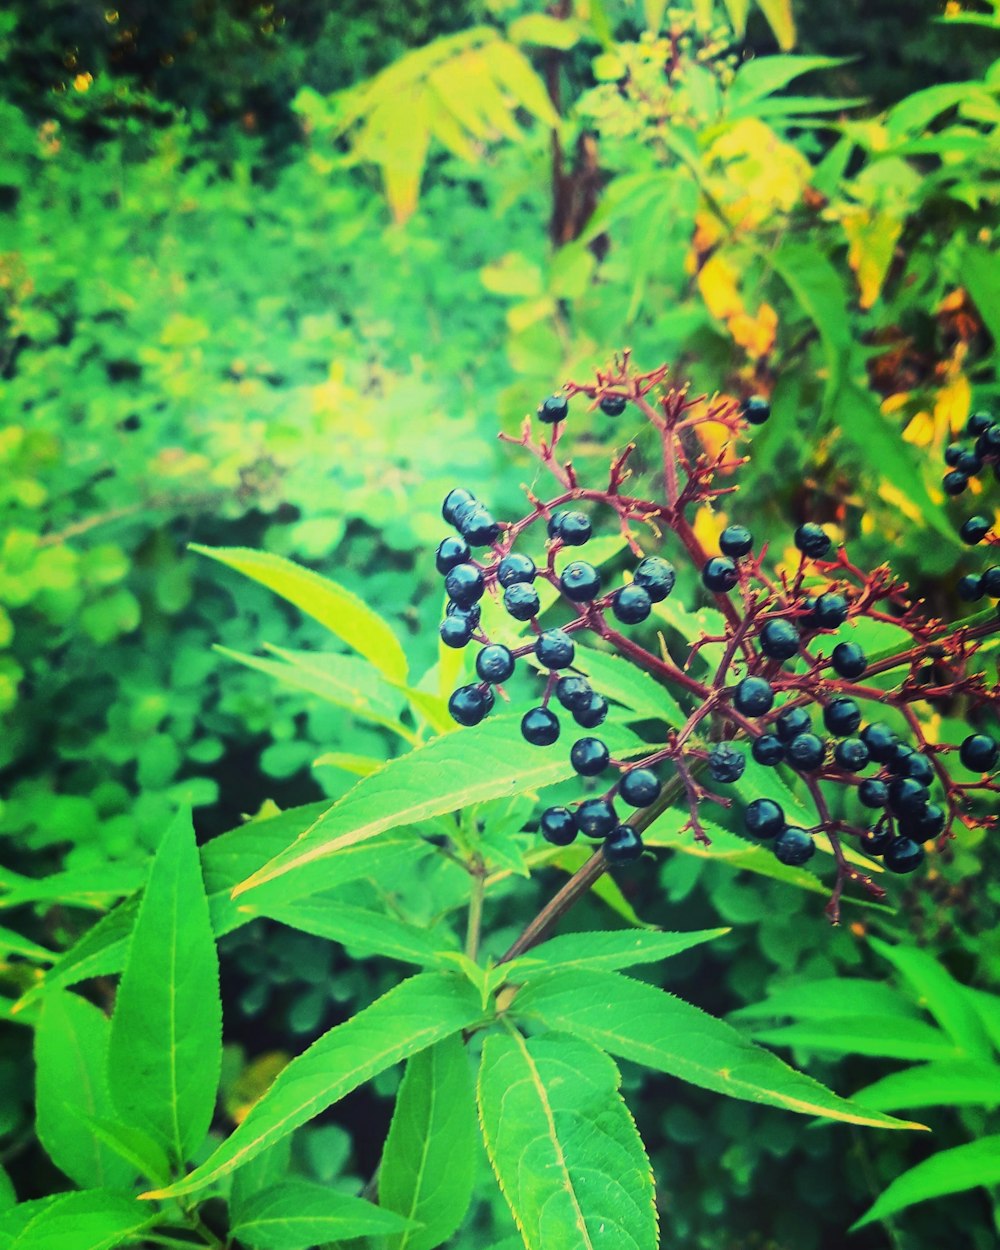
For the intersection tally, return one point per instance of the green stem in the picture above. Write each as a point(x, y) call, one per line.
point(473, 931)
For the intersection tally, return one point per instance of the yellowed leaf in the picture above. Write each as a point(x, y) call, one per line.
point(872, 236)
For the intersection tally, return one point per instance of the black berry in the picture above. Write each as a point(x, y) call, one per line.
point(553, 409)
point(455, 630)
point(974, 530)
point(589, 756)
point(464, 584)
point(521, 601)
point(622, 845)
point(848, 660)
point(842, 717)
point(726, 762)
point(875, 841)
point(755, 409)
point(954, 482)
point(928, 823)
point(478, 527)
point(575, 528)
point(919, 768)
point(829, 611)
point(719, 574)
point(554, 649)
point(880, 740)
point(793, 846)
point(573, 692)
point(631, 604)
point(805, 752)
point(613, 405)
point(472, 613)
point(580, 581)
point(978, 423)
point(812, 540)
point(450, 551)
point(558, 826)
point(540, 727)
point(952, 453)
point(979, 753)
point(596, 818)
point(639, 787)
point(494, 663)
point(779, 640)
point(593, 713)
point(970, 462)
point(851, 754)
point(970, 588)
point(990, 581)
point(735, 541)
point(906, 796)
point(792, 722)
point(753, 696)
point(468, 705)
point(656, 576)
point(873, 793)
point(515, 568)
point(768, 750)
point(764, 818)
point(903, 855)
point(455, 502)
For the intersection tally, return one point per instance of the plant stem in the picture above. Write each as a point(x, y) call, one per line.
point(477, 872)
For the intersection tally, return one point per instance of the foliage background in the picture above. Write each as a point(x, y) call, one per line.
point(232, 313)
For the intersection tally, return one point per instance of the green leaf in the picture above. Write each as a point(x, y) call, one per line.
point(544, 31)
point(430, 1158)
point(296, 1215)
point(940, 994)
point(71, 1056)
point(414, 1015)
point(764, 75)
point(947, 1172)
point(165, 1052)
point(628, 685)
point(978, 274)
point(432, 779)
point(825, 998)
point(345, 615)
point(647, 1026)
point(607, 951)
point(987, 1007)
point(563, 1145)
point(362, 931)
point(137, 1149)
point(956, 1083)
point(90, 1219)
point(12, 943)
point(889, 1037)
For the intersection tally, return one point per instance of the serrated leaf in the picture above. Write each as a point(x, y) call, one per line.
point(607, 951)
point(947, 1172)
point(296, 1215)
point(429, 1162)
point(165, 1049)
point(623, 682)
point(345, 615)
point(414, 1015)
point(432, 779)
point(825, 998)
point(90, 1219)
point(955, 1083)
point(563, 1145)
point(647, 1026)
point(361, 930)
point(71, 1055)
point(940, 994)
point(884, 1037)
point(132, 1146)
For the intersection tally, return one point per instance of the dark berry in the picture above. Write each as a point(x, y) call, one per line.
point(954, 482)
point(472, 613)
point(970, 588)
point(573, 692)
point(656, 576)
point(639, 787)
point(494, 663)
point(779, 640)
point(978, 423)
point(793, 846)
point(988, 443)
point(929, 823)
point(735, 541)
point(553, 409)
point(580, 581)
point(974, 530)
point(848, 660)
point(593, 713)
point(829, 611)
point(478, 527)
point(455, 630)
point(880, 740)
point(540, 727)
point(906, 796)
point(521, 601)
point(554, 524)
point(468, 705)
point(554, 649)
point(979, 753)
point(622, 845)
point(726, 762)
point(613, 405)
point(851, 754)
point(792, 722)
point(450, 551)
point(753, 696)
point(812, 540)
point(575, 528)
point(516, 568)
point(899, 760)
point(990, 581)
point(631, 604)
point(805, 752)
point(596, 818)
point(768, 750)
point(952, 453)
point(558, 826)
point(875, 841)
point(903, 855)
point(842, 717)
point(764, 818)
point(589, 756)
point(455, 502)
point(873, 793)
point(918, 767)
point(755, 409)
point(719, 574)
point(464, 584)
point(970, 462)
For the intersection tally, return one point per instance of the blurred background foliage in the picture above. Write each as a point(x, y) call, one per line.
point(273, 275)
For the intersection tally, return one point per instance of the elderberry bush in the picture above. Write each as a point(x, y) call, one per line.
point(788, 688)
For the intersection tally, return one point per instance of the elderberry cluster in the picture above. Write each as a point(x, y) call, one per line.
point(780, 682)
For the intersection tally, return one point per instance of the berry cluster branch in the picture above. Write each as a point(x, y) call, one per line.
point(772, 663)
